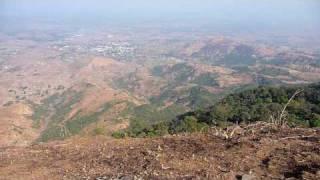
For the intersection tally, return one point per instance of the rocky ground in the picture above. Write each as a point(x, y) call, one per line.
point(255, 152)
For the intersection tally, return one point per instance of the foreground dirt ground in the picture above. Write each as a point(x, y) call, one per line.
point(260, 152)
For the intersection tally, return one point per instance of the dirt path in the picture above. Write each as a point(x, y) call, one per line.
point(258, 154)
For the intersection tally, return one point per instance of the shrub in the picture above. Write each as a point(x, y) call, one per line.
point(119, 134)
point(99, 131)
point(315, 121)
point(188, 124)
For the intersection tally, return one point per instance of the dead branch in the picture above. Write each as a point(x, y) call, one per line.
point(287, 104)
point(280, 119)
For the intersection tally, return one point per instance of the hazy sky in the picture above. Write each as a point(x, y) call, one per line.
point(295, 13)
point(287, 8)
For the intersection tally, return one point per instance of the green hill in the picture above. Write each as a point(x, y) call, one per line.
point(248, 106)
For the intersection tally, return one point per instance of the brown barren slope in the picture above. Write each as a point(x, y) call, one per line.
point(15, 126)
point(259, 152)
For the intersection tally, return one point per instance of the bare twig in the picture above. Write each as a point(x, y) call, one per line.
point(286, 105)
point(228, 133)
point(280, 120)
point(297, 137)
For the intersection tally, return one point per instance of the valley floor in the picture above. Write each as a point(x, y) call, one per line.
point(258, 152)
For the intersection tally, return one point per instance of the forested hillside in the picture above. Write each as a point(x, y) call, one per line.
point(257, 104)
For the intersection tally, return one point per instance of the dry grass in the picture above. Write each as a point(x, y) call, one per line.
point(258, 150)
